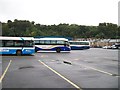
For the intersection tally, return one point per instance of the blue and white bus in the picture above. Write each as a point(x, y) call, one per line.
point(79, 45)
point(52, 44)
point(17, 45)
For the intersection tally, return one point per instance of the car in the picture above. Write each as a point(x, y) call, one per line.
point(107, 47)
point(117, 46)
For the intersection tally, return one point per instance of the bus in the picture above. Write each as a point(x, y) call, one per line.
point(52, 44)
point(79, 45)
point(17, 45)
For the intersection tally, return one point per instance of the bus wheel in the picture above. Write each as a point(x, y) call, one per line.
point(18, 52)
point(58, 50)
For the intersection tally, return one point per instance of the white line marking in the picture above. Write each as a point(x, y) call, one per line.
point(3, 75)
point(61, 76)
point(97, 70)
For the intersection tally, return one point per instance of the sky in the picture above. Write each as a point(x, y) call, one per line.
point(49, 12)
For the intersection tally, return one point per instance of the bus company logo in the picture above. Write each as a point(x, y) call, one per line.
point(4, 50)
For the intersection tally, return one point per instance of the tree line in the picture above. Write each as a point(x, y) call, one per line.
point(27, 28)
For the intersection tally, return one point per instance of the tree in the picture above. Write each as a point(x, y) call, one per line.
point(27, 28)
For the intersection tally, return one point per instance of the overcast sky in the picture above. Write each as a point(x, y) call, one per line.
point(49, 12)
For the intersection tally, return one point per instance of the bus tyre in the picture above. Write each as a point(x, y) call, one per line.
point(58, 50)
point(19, 53)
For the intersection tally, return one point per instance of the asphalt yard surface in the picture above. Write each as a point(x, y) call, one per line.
point(80, 69)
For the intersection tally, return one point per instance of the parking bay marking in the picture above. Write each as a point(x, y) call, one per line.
point(3, 75)
point(61, 75)
point(99, 70)
point(96, 69)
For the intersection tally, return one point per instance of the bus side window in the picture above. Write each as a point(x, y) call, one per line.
point(26, 43)
point(32, 43)
point(60, 42)
point(42, 42)
point(37, 42)
point(9, 43)
point(47, 42)
point(18, 43)
point(53, 41)
point(1, 43)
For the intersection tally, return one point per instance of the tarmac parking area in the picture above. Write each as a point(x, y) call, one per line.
point(79, 69)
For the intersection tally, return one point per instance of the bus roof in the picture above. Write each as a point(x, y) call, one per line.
point(16, 38)
point(51, 39)
point(79, 41)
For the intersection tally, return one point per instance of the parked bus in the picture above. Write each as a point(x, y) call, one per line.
point(52, 44)
point(17, 45)
point(79, 45)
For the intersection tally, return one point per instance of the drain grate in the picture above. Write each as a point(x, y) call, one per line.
point(24, 67)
